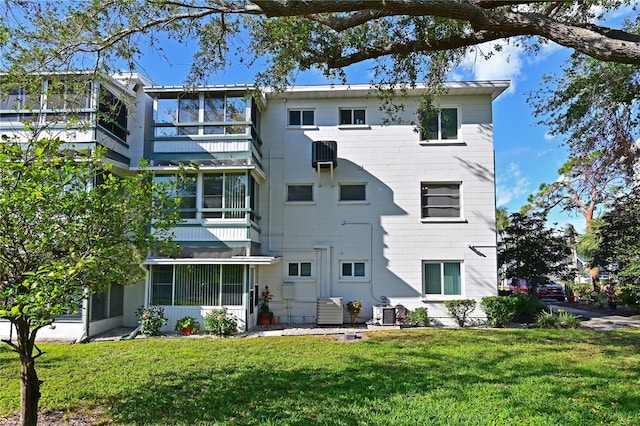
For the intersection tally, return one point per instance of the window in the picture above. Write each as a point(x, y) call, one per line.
point(353, 270)
point(197, 285)
point(112, 114)
point(442, 278)
point(301, 117)
point(299, 269)
point(440, 200)
point(352, 116)
point(352, 192)
point(225, 192)
point(218, 108)
point(224, 195)
point(440, 124)
point(186, 189)
point(300, 193)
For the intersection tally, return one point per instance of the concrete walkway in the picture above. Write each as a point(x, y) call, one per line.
point(602, 321)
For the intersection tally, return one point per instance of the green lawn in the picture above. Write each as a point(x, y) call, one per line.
point(403, 377)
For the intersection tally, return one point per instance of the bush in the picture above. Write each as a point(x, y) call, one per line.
point(151, 320)
point(563, 319)
point(567, 320)
point(499, 309)
point(189, 323)
point(219, 322)
point(629, 294)
point(418, 317)
point(547, 320)
point(528, 306)
point(460, 309)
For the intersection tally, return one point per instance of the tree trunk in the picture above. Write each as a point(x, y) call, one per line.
point(29, 382)
point(29, 392)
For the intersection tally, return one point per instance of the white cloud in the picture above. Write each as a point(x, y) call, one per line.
point(512, 186)
point(485, 62)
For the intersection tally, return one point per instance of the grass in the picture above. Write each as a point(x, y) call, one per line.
point(405, 377)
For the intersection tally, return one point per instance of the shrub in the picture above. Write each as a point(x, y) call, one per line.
point(563, 319)
point(418, 317)
point(151, 320)
point(220, 323)
point(528, 306)
point(546, 319)
point(499, 309)
point(567, 320)
point(189, 323)
point(459, 310)
point(354, 307)
point(629, 294)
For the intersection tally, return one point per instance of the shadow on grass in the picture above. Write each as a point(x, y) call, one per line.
point(471, 376)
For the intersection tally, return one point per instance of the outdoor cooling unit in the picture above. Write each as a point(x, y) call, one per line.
point(384, 315)
point(324, 154)
point(330, 311)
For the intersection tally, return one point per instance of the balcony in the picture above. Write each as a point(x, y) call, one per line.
point(229, 143)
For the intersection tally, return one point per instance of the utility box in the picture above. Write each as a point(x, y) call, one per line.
point(288, 291)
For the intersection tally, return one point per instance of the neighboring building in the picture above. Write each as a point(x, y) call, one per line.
point(307, 191)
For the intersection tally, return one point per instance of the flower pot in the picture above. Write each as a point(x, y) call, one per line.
point(266, 318)
point(571, 299)
point(613, 305)
point(186, 331)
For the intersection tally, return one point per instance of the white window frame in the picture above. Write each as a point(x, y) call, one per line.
point(438, 139)
point(299, 264)
point(306, 184)
point(441, 295)
point(352, 112)
point(301, 111)
point(353, 277)
point(459, 218)
point(363, 201)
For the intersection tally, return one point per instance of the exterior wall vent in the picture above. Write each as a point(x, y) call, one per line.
point(324, 154)
point(329, 311)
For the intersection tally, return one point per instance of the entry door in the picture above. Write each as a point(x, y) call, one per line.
point(252, 308)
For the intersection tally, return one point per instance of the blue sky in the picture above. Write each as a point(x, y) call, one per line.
point(525, 154)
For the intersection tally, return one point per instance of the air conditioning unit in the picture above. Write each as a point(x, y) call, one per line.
point(324, 154)
point(330, 311)
point(384, 315)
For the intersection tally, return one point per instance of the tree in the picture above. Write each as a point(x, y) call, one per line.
point(586, 182)
point(532, 251)
point(593, 105)
point(402, 37)
point(69, 227)
point(619, 240)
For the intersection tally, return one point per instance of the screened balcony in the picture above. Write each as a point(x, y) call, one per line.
point(214, 126)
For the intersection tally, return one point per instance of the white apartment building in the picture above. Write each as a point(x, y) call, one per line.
point(310, 192)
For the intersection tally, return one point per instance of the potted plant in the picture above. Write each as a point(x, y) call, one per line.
point(612, 297)
point(568, 291)
point(187, 326)
point(265, 298)
point(354, 307)
point(265, 316)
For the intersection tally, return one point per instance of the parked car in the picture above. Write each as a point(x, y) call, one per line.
point(550, 291)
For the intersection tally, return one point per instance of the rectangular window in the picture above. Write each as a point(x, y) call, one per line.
point(197, 285)
point(440, 200)
point(185, 188)
point(352, 192)
point(352, 116)
point(442, 278)
point(299, 269)
point(112, 114)
point(351, 270)
point(162, 284)
point(188, 112)
point(225, 192)
point(441, 124)
point(299, 193)
point(301, 117)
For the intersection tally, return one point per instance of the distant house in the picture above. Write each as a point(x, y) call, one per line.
point(308, 191)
